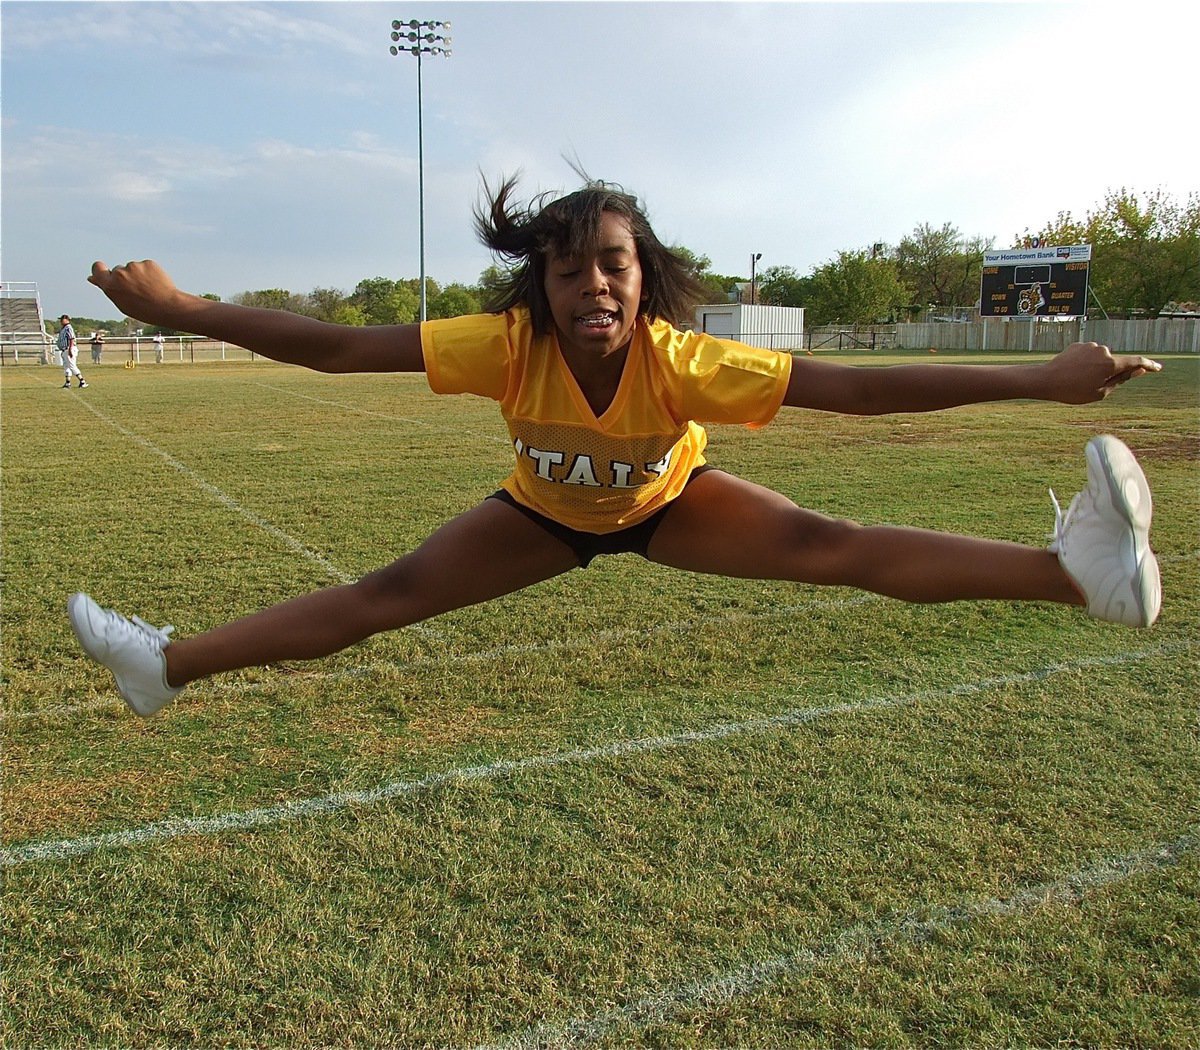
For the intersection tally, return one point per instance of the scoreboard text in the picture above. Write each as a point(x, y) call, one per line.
point(1035, 282)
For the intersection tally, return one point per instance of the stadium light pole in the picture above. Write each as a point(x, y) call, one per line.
point(753, 277)
point(420, 38)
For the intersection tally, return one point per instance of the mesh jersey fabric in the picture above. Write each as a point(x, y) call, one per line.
point(608, 472)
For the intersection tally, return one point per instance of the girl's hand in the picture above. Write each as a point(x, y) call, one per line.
point(139, 289)
point(1086, 372)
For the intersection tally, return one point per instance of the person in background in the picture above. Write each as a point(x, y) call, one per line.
point(67, 347)
point(97, 346)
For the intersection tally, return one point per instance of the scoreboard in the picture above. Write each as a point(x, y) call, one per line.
point(1035, 282)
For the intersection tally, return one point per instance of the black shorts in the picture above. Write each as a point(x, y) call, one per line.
point(586, 545)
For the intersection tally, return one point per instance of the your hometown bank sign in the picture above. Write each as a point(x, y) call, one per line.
point(1035, 282)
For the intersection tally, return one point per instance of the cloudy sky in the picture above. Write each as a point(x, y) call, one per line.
point(274, 145)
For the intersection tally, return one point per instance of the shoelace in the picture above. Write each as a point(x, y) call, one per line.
point(1062, 521)
point(158, 635)
point(1060, 525)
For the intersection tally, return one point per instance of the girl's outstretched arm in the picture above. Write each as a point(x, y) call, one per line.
point(1082, 373)
point(145, 291)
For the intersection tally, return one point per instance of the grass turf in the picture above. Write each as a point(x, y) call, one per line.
point(629, 805)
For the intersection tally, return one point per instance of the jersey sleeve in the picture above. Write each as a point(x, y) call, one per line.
point(722, 381)
point(469, 355)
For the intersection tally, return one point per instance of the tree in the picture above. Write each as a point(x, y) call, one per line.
point(334, 306)
point(455, 300)
point(855, 288)
point(490, 282)
point(941, 267)
point(783, 286)
point(348, 314)
point(325, 303)
point(716, 287)
point(413, 284)
point(384, 301)
point(85, 325)
point(266, 299)
point(1145, 249)
point(1063, 230)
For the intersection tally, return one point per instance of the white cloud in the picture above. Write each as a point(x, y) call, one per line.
point(260, 144)
point(137, 187)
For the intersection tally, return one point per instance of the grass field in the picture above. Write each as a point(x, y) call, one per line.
point(629, 807)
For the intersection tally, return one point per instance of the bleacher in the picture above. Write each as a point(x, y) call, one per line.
point(23, 335)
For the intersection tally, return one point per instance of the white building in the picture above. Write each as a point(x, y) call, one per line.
point(773, 327)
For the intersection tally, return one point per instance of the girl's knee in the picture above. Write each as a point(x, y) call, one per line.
point(385, 583)
point(828, 550)
point(830, 536)
point(386, 598)
point(410, 589)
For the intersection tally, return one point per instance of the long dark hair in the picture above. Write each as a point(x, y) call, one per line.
point(523, 235)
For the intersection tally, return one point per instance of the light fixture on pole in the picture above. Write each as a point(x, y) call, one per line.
point(420, 38)
point(753, 278)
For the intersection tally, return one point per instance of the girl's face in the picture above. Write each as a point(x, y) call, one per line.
point(595, 300)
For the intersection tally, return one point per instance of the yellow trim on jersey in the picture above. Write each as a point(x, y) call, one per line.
point(607, 472)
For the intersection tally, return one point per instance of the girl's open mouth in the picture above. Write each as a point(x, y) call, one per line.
point(598, 321)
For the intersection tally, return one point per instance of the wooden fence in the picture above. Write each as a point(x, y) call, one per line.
point(1163, 335)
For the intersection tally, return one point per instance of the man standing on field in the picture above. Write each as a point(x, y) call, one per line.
point(67, 347)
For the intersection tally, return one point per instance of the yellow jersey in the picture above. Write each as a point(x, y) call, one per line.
point(603, 473)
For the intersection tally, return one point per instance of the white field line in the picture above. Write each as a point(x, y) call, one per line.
point(224, 498)
point(380, 415)
point(855, 945)
point(335, 802)
point(59, 711)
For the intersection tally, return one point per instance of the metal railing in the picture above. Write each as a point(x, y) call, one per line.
point(124, 350)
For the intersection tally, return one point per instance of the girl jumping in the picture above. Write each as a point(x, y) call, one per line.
point(605, 403)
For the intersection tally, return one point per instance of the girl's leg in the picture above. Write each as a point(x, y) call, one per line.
point(722, 524)
point(488, 551)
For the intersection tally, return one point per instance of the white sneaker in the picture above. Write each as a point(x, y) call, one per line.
point(1103, 541)
point(131, 649)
